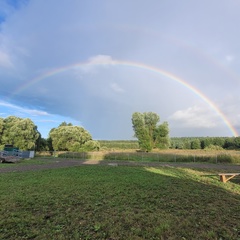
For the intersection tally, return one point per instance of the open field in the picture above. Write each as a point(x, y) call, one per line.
point(121, 202)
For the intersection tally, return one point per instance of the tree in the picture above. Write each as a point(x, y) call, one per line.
point(1, 129)
point(196, 144)
point(65, 124)
point(148, 133)
point(20, 132)
point(161, 136)
point(42, 144)
point(72, 138)
point(237, 142)
point(141, 132)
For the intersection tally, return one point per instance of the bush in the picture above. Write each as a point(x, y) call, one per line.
point(213, 147)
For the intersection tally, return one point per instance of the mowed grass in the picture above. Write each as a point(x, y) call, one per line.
point(107, 202)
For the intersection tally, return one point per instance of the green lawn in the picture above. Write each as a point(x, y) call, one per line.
point(105, 202)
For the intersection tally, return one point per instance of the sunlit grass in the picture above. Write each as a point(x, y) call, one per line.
point(105, 202)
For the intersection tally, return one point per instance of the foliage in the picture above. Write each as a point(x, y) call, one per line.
point(72, 138)
point(196, 144)
point(103, 202)
point(149, 134)
point(213, 147)
point(42, 144)
point(20, 132)
point(205, 143)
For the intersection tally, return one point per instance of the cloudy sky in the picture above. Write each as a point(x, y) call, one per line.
point(94, 63)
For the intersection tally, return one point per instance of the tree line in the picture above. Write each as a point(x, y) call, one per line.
point(23, 133)
point(208, 143)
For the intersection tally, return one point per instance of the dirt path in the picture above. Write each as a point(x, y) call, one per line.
point(63, 163)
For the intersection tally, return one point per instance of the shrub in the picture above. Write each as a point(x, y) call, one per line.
point(213, 147)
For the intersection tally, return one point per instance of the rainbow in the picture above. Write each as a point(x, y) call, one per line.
point(109, 62)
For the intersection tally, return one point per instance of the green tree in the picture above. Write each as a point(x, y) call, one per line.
point(196, 144)
point(42, 144)
point(72, 138)
point(237, 142)
point(65, 124)
point(148, 133)
point(218, 141)
point(161, 136)
point(1, 131)
point(19, 132)
point(206, 142)
point(141, 131)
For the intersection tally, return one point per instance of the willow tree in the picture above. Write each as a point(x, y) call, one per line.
point(67, 137)
point(149, 134)
point(20, 132)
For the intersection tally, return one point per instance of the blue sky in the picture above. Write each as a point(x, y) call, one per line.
point(194, 41)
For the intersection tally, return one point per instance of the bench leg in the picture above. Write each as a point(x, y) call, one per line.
point(223, 178)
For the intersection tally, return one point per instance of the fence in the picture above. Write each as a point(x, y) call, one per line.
point(158, 157)
point(18, 154)
point(144, 157)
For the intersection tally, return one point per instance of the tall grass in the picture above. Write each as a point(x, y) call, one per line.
point(158, 157)
point(224, 156)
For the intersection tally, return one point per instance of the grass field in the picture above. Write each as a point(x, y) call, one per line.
point(105, 202)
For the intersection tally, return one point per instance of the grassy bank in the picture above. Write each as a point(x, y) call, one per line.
point(104, 202)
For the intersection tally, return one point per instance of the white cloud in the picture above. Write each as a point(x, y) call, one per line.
point(93, 62)
point(101, 59)
point(195, 117)
point(115, 87)
point(31, 112)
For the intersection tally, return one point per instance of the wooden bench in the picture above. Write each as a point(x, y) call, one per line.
point(224, 177)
